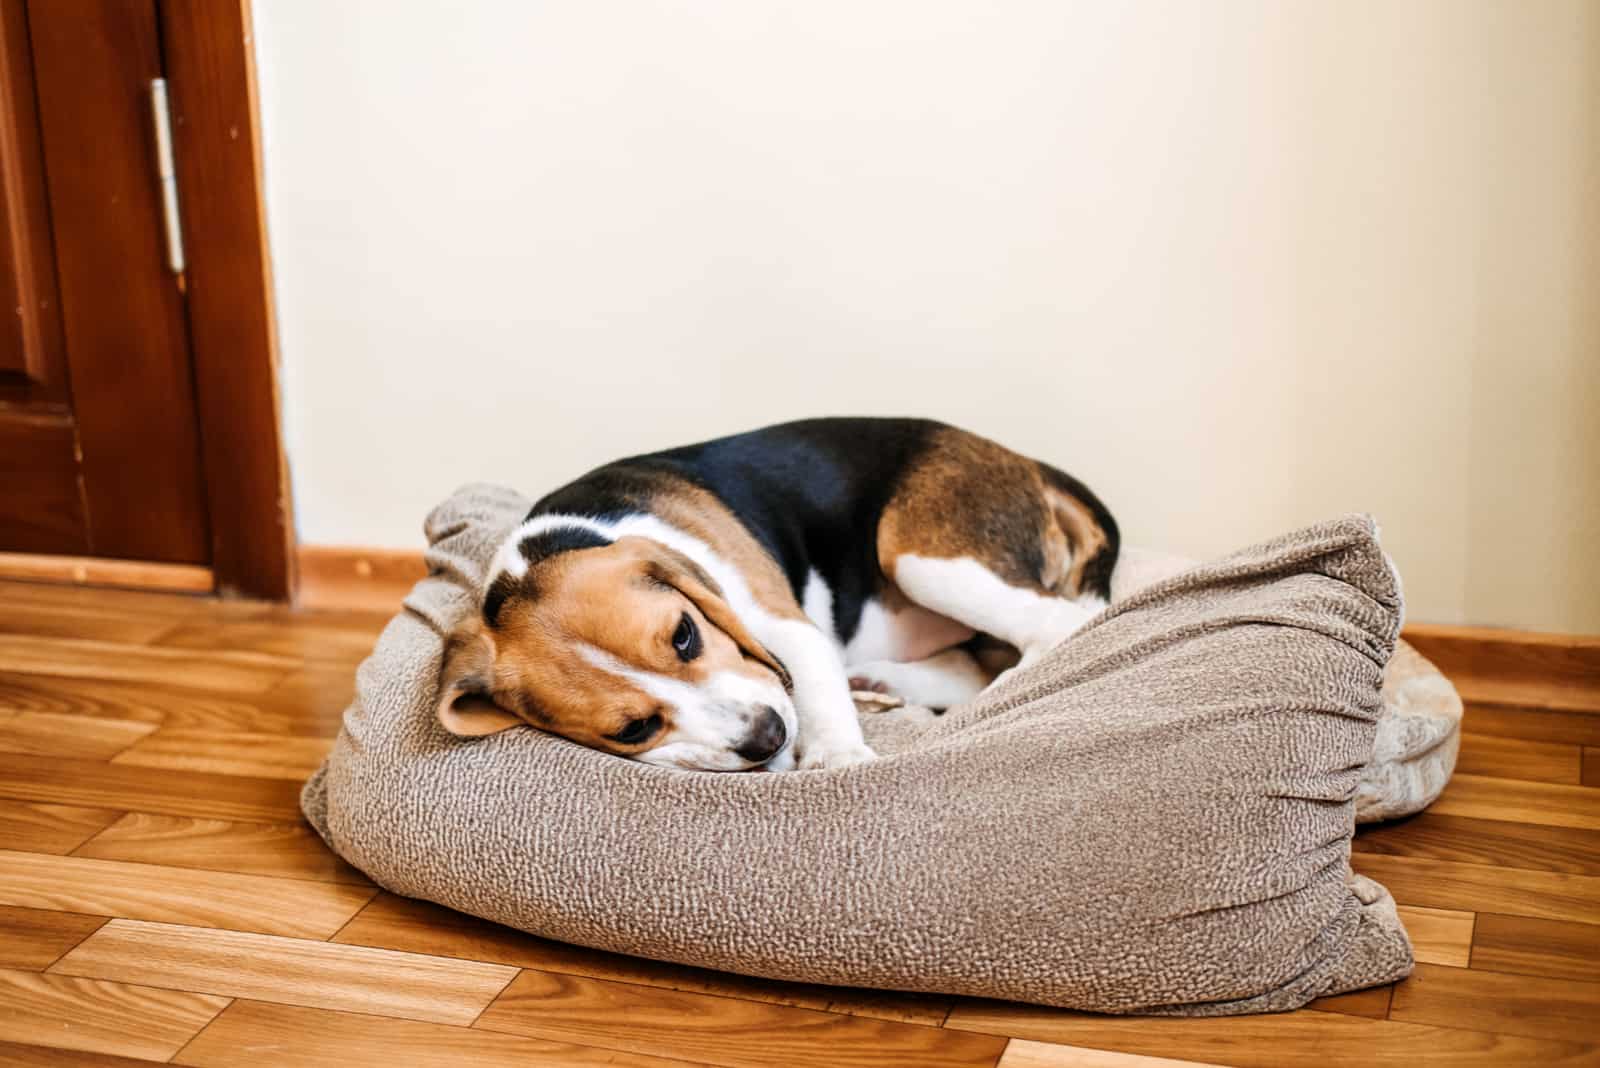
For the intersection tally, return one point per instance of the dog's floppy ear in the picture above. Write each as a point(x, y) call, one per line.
point(466, 707)
point(672, 568)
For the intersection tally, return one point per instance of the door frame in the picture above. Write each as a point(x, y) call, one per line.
point(209, 62)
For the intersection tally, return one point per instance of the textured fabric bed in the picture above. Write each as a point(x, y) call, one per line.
point(1419, 725)
point(1154, 818)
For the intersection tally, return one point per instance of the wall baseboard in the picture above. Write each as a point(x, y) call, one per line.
point(1515, 668)
point(352, 578)
point(104, 571)
point(377, 579)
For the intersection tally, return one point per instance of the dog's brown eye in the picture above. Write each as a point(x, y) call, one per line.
point(638, 730)
point(686, 639)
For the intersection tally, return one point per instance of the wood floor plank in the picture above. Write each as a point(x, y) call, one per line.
point(254, 1034)
point(298, 907)
point(265, 756)
point(397, 923)
point(1519, 758)
point(62, 780)
point(20, 1055)
point(285, 850)
point(1439, 936)
point(1484, 797)
point(225, 706)
point(1324, 1039)
point(244, 673)
point(1477, 888)
point(38, 827)
point(1532, 1006)
point(289, 971)
point(145, 703)
point(32, 939)
point(173, 607)
point(1536, 724)
point(341, 637)
point(49, 734)
point(313, 698)
point(393, 922)
point(1494, 843)
point(1022, 1053)
point(723, 1031)
point(95, 1016)
point(1372, 1002)
point(127, 626)
point(1527, 946)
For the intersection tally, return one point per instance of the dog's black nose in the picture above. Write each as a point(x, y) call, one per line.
point(765, 738)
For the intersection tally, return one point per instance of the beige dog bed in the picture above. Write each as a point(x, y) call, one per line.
point(1156, 817)
point(1419, 728)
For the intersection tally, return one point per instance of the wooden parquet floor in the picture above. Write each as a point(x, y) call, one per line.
point(161, 901)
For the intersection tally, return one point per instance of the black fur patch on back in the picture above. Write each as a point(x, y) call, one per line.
point(811, 493)
point(536, 548)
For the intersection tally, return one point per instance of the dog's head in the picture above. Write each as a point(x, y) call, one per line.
point(626, 646)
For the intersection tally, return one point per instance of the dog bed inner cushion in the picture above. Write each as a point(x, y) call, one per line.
point(1156, 817)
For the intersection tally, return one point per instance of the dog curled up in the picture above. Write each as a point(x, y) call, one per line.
point(711, 607)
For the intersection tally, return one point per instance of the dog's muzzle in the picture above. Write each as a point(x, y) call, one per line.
point(767, 736)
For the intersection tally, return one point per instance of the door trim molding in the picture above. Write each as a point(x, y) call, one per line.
point(210, 71)
point(103, 571)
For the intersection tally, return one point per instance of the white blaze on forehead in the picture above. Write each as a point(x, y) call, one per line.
point(735, 590)
point(709, 721)
point(729, 693)
point(673, 691)
point(508, 558)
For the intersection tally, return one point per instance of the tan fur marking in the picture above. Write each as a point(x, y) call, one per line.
point(601, 599)
point(541, 670)
point(968, 496)
point(949, 504)
point(623, 601)
point(697, 512)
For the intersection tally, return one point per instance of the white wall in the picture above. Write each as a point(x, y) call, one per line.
point(1238, 265)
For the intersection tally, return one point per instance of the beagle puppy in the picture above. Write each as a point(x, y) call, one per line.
point(710, 606)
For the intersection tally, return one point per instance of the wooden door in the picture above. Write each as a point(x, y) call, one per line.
point(99, 439)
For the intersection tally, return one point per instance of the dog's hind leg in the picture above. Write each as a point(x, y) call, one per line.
point(966, 590)
point(984, 537)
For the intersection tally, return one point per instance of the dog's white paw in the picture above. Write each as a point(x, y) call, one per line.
point(820, 755)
